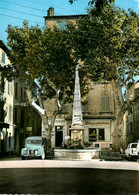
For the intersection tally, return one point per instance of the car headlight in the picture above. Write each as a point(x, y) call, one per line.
point(26, 149)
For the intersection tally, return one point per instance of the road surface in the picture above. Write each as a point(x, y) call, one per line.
point(69, 177)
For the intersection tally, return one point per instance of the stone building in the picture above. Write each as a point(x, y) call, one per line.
point(27, 121)
point(4, 127)
point(133, 114)
point(20, 119)
point(98, 113)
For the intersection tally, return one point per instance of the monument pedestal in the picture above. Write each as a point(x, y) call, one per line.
point(77, 135)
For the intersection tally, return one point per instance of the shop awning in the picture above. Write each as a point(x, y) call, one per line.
point(4, 125)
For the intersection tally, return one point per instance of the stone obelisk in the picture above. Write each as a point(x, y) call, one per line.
point(77, 129)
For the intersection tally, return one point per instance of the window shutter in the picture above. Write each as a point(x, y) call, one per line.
point(3, 57)
point(107, 104)
point(103, 103)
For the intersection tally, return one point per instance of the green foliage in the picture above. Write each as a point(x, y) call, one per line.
point(99, 5)
point(7, 72)
point(108, 44)
point(45, 56)
point(96, 5)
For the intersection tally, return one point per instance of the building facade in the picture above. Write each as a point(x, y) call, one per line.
point(98, 119)
point(133, 114)
point(20, 119)
point(98, 113)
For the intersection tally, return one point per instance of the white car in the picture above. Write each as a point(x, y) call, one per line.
point(132, 151)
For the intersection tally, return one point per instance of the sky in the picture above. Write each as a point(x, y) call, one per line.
point(14, 12)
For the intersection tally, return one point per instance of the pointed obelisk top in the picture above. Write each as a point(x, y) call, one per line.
point(77, 109)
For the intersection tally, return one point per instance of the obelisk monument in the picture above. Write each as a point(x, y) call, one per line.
point(77, 128)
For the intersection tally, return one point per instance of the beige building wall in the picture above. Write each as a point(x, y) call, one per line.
point(26, 119)
point(23, 120)
point(94, 117)
point(132, 133)
point(8, 107)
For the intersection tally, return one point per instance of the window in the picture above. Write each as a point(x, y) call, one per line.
point(10, 140)
point(10, 114)
point(105, 104)
point(100, 134)
point(22, 119)
point(21, 94)
point(85, 108)
point(3, 57)
point(136, 93)
point(9, 88)
point(16, 90)
point(96, 134)
point(92, 135)
point(15, 115)
point(62, 25)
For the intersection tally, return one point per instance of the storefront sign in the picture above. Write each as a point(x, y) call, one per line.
point(29, 128)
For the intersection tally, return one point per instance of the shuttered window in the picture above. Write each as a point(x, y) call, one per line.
point(16, 91)
point(3, 57)
point(85, 108)
point(10, 114)
point(105, 104)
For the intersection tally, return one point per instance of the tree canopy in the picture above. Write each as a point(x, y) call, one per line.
point(108, 44)
point(44, 56)
point(97, 4)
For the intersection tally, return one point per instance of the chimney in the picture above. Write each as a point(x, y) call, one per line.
point(50, 11)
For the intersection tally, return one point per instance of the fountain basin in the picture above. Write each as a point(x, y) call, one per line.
point(77, 154)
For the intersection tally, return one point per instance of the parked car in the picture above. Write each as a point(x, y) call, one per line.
point(132, 151)
point(35, 146)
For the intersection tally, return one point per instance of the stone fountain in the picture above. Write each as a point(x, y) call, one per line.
point(77, 149)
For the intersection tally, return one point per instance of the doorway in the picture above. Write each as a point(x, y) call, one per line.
point(59, 135)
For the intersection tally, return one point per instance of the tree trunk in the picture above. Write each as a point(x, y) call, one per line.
point(119, 114)
point(48, 119)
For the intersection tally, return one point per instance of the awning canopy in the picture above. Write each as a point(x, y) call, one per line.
point(4, 125)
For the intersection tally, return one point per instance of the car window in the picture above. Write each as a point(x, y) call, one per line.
point(133, 145)
point(34, 142)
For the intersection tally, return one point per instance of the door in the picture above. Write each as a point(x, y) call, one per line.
point(59, 135)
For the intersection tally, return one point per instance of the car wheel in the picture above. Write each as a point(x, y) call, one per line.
point(129, 158)
point(23, 158)
point(43, 156)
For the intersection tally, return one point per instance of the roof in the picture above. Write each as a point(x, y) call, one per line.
point(34, 137)
point(65, 16)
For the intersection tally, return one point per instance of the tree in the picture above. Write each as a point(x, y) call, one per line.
point(43, 61)
point(98, 4)
point(108, 45)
